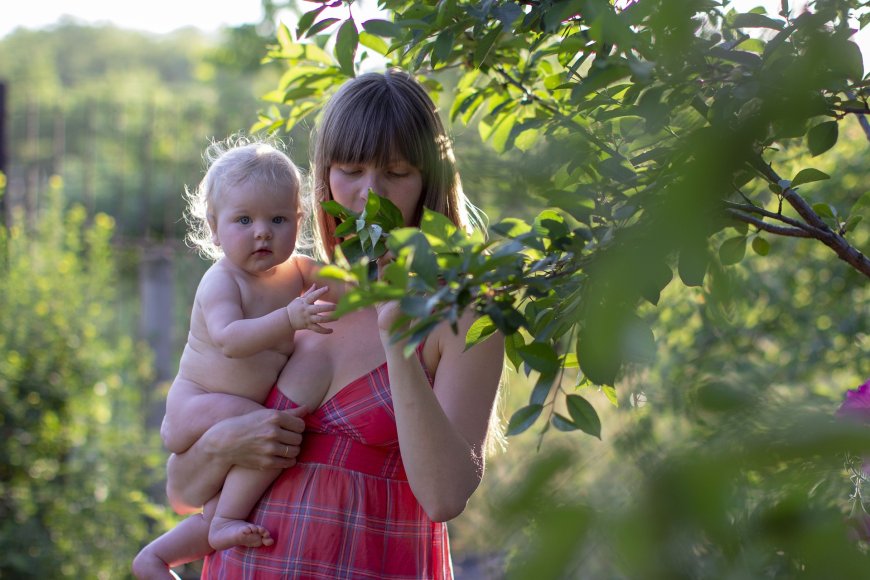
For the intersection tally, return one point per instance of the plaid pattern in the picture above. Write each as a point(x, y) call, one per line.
point(346, 509)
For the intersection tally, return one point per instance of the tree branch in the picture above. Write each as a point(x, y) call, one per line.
point(741, 207)
point(823, 233)
point(859, 112)
point(768, 227)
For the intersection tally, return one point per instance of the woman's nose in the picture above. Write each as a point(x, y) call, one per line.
point(370, 182)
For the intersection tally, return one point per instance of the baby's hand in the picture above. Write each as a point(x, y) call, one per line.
point(304, 314)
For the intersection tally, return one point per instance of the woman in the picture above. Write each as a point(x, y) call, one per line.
point(392, 447)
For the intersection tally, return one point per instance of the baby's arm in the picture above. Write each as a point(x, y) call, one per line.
point(237, 337)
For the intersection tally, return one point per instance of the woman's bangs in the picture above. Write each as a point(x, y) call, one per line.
point(376, 135)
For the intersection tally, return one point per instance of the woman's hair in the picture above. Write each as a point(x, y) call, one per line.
point(380, 118)
point(234, 162)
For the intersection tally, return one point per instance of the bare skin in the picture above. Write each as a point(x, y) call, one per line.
point(246, 311)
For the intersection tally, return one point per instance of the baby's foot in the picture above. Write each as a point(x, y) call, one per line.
point(225, 533)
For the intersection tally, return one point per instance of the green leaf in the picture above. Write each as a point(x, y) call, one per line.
point(598, 79)
point(540, 357)
point(484, 46)
point(502, 131)
point(809, 175)
point(825, 210)
point(563, 423)
point(638, 341)
point(583, 415)
point(479, 331)
point(542, 388)
point(346, 44)
point(382, 28)
point(373, 42)
point(437, 225)
point(693, 265)
point(321, 26)
point(511, 227)
point(442, 48)
point(598, 351)
point(753, 20)
point(610, 393)
point(335, 273)
point(732, 250)
point(511, 343)
point(306, 20)
point(852, 223)
point(822, 137)
point(523, 418)
point(760, 246)
point(334, 208)
point(424, 262)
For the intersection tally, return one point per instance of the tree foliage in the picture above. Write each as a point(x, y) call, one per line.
point(76, 463)
point(663, 126)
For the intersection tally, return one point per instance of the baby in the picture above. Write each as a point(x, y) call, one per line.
point(246, 310)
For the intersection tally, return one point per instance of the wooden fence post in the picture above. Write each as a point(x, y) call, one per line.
point(157, 318)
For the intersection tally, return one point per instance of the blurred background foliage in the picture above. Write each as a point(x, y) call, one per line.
point(719, 459)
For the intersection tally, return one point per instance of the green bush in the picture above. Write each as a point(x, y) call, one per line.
point(75, 458)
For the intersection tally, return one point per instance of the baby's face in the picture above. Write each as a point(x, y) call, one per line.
point(256, 229)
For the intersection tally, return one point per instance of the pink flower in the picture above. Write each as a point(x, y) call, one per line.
point(857, 403)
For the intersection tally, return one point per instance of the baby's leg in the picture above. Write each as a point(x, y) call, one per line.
point(186, 542)
point(242, 489)
point(191, 411)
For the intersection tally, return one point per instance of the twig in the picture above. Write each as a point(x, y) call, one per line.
point(740, 207)
point(859, 112)
point(823, 233)
point(768, 227)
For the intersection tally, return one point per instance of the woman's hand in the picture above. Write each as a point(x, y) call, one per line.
point(261, 439)
point(264, 439)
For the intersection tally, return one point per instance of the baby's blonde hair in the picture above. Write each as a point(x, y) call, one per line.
point(235, 161)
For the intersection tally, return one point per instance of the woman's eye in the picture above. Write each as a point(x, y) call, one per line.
point(244, 220)
point(399, 174)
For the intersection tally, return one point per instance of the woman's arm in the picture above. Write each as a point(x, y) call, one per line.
point(442, 430)
point(262, 439)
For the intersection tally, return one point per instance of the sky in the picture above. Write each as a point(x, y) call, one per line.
point(157, 16)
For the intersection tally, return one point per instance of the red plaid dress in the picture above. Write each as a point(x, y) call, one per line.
point(346, 509)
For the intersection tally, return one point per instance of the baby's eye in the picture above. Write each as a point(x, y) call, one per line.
point(279, 219)
point(244, 220)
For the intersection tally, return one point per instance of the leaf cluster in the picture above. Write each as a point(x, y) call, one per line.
point(658, 122)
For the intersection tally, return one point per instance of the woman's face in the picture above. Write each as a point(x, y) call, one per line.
point(400, 182)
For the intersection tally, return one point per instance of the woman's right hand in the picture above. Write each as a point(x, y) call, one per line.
point(259, 439)
point(262, 439)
